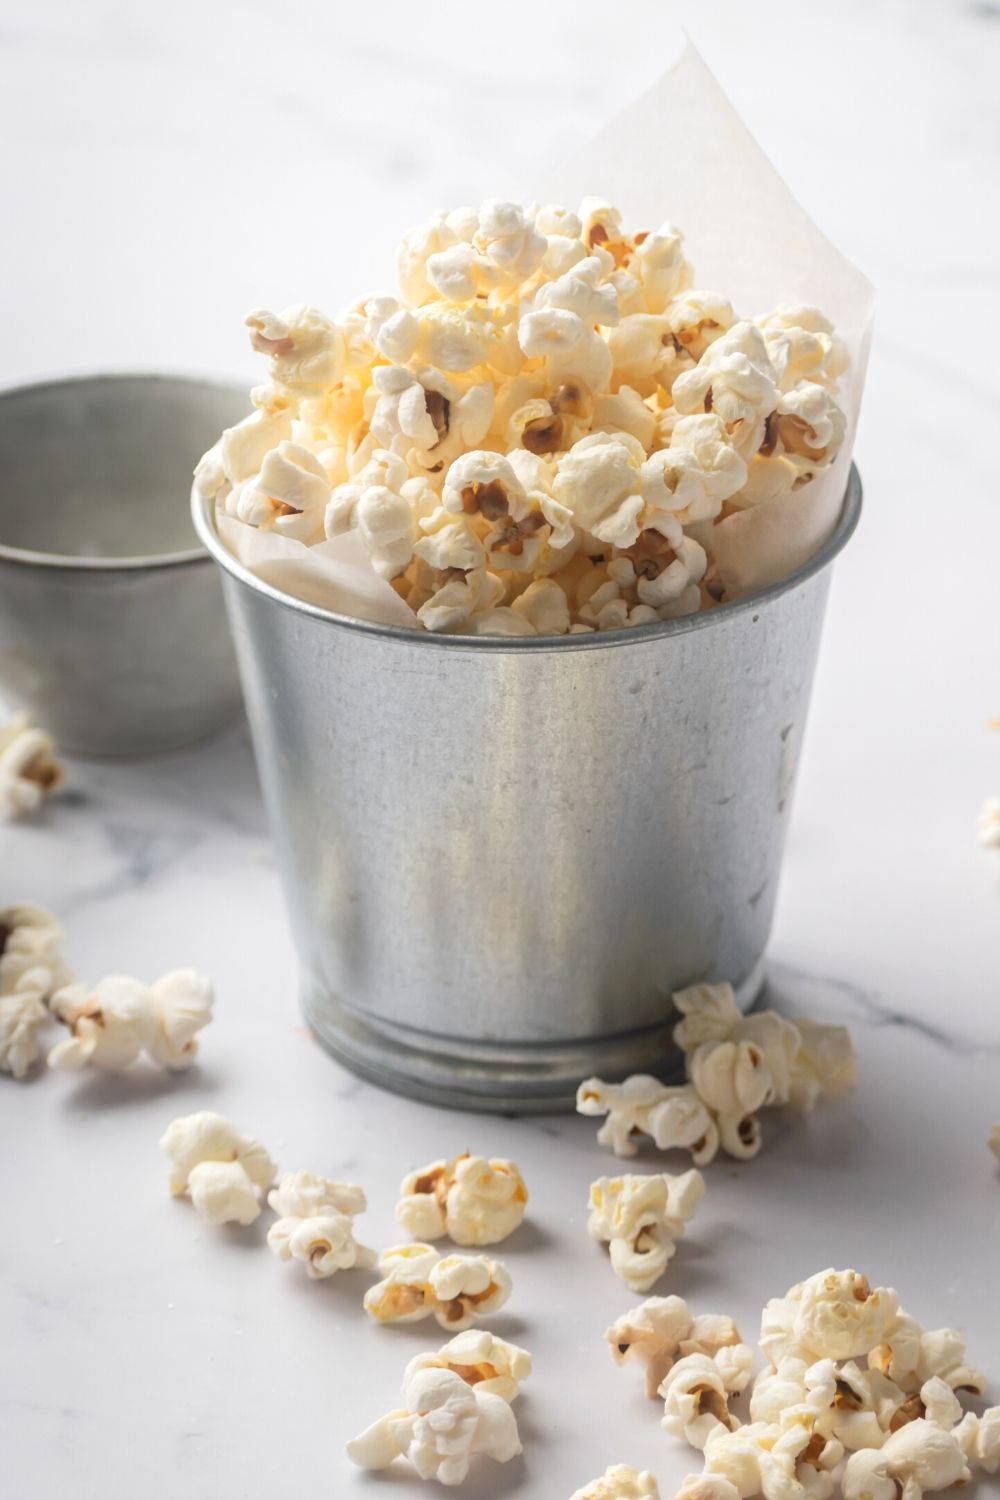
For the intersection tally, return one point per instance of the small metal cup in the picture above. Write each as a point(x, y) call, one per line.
point(502, 856)
point(112, 629)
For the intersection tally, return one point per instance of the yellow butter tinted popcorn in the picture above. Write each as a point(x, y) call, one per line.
point(481, 1360)
point(470, 1199)
point(649, 408)
point(417, 1282)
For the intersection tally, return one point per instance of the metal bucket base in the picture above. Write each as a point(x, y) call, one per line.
point(507, 1078)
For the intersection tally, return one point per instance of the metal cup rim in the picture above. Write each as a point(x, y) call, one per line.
point(203, 515)
point(143, 562)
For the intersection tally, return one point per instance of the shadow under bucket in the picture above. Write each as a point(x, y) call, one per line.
point(502, 856)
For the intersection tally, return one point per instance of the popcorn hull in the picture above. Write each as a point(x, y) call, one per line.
point(501, 857)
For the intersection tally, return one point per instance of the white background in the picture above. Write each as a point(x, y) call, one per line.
point(163, 169)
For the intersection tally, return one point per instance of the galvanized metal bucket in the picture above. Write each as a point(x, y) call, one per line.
point(501, 856)
point(112, 630)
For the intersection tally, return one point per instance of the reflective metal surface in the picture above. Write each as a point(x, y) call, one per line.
point(112, 629)
point(500, 857)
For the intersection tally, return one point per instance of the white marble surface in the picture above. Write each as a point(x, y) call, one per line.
point(166, 168)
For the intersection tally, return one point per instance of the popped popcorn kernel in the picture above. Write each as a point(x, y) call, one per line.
point(22, 1018)
point(116, 1020)
point(641, 1219)
point(31, 956)
point(487, 1363)
point(442, 1426)
point(29, 769)
point(315, 1224)
point(221, 1170)
point(474, 1201)
point(620, 1482)
point(662, 1330)
point(419, 1283)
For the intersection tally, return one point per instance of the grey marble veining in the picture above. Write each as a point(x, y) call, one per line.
point(173, 168)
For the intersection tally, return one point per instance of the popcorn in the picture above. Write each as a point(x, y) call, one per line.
point(305, 348)
point(181, 1005)
point(622, 1483)
point(31, 959)
point(736, 380)
point(482, 1360)
point(918, 1459)
point(980, 1438)
point(119, 1018)
point(994, 1141)
point(641, 1219)
point(988, 825)
point(661, 1329)
point(834, 1314)
point(29, 770)
point(802, 345)
point(736, 1065)
point(815, 1405)
point(315, 1224)
point(442, 1426)
point(911, 1355)
point(642, 1106)
point(474, 1201)
point(419, 1283)
point(532, 332)
point(707, 1487)
point(219, 1169)
point(289, 494)
point(22, 1017)
point(696, 1399)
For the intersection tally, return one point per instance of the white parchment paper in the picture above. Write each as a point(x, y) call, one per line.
point(679, 153)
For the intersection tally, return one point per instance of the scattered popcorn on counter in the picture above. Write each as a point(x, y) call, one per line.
point(316, 1224)
point(470, 1199)
point(482, 1360)
point(551, 402)
point(641, 1219)
point(31, 957)
point(662, 1330)
point(22, 1019)
point(642, 1106)
point(696, 1392)
point(31, 969)
point(419, 1283)
point(220, 1170)
point(443, 1424)
point(854, 1390)
point(736, 1066)
point(29, 770)
point(119, 1018)
point(620, 1483)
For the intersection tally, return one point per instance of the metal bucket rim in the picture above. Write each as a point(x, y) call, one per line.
point(151, 562)
point(203, 515)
